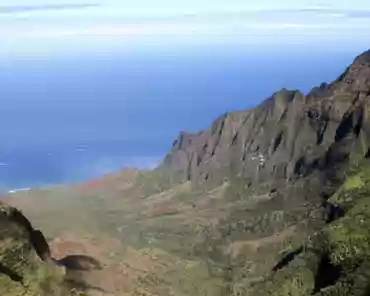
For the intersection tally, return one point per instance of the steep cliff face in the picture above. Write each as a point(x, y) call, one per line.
point(287, 136)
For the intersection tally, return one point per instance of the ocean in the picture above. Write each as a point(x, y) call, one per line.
point(69, 119)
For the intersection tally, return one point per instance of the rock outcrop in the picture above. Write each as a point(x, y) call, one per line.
point(26, 266)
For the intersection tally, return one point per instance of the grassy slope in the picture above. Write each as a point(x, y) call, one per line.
point(334, 261)
point(181, 241)
point(220, 241)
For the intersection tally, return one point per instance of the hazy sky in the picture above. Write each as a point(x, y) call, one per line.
point(39, 26)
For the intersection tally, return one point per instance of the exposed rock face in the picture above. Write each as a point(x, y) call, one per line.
point(287, 136)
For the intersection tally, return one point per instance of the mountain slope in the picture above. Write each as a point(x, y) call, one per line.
point(286, 136)
point(335, 260)
point(251, 206)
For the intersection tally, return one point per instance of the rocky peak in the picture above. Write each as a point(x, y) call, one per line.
point(364, 58)
point(357, 77)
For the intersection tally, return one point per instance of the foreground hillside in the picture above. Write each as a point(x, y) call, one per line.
point(26, 265)
point(268, 201)
point(334, 260)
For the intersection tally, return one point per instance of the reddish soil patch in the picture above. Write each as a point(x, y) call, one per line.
point(92, 185)
point(114, 182)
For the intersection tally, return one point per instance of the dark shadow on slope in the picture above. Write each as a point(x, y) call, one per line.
point(300, 167)
point(321, 132)
point(328, 274)
point(11, 274)
point(287, 259)
point(358, 126)
point(40, 244)
point(80, 262)
point(79, 268)
point(278, 140)
point(335, 156)
point(345, 127)
point(367, 154)
point(332, 212)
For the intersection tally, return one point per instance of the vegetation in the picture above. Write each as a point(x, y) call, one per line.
point(228, 240)
point(26, 268)
point(336, 260)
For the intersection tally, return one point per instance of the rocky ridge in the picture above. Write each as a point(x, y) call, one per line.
point(289, 135)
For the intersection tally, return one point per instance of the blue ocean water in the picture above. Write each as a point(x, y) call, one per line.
point(69, 119)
